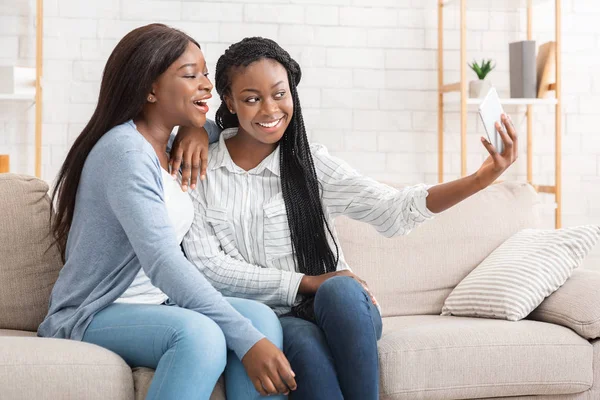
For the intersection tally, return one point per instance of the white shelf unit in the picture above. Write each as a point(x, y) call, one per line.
point(518, 102)
point(35, 97)
point(507, 101)
point(18, 97)
point(444, 89)
point(495, 4)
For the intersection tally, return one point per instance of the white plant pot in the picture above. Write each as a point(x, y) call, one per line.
point(479, 88)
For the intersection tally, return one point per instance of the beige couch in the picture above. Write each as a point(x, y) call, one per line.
point(422, 355)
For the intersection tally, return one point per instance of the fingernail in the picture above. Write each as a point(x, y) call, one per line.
point(184, 188)
point(202, 177)
point(293, 374)
point(193, 186)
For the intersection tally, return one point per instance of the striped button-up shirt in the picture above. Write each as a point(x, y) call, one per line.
point(240, 239)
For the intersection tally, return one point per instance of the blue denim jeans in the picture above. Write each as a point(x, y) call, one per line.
point(187, 349)
point(336, 358)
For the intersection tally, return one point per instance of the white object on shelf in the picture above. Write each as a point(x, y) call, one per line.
point(18, 97)
point(479, 88)
point(496, 4)
point(505, 101)
point(508, 101)
point(17, 81)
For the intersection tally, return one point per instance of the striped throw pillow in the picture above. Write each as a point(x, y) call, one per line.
point(513, 280)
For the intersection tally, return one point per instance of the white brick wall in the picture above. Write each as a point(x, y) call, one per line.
point(369, 83)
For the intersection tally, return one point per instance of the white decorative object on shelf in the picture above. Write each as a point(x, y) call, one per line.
point(518, 102)
point(479, 88)
point(495, 5)
point(19, 81)
point(507, 101)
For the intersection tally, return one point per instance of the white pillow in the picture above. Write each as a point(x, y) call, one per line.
point(513, 280)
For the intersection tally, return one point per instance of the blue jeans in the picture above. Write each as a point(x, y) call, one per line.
point(336, 358)
point(187, 349)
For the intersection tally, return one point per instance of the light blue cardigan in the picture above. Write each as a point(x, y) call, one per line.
point(120, 225)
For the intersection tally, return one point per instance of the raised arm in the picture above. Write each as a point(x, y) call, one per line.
point(446, 195)
point(232, 276)
point(346, 192)
point(395, 212)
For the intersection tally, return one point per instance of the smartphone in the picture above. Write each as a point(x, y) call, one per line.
point(490, 111)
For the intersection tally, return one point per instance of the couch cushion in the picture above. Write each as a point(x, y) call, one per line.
point(531, 265)
point(142, 378)
point(595, 392)
point(29, 265)
point(575, 305)
point(413, 274)
point(14, 333)
point(41, 368)
point(424, 357)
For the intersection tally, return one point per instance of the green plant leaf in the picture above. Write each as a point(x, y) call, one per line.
point(481, 70)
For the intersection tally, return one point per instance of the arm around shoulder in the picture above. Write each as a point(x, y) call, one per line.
point(213, 130)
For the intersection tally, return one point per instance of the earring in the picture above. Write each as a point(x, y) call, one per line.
point(231, 111)
point(150, 99)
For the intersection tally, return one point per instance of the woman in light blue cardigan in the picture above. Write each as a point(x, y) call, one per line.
point(126, 284)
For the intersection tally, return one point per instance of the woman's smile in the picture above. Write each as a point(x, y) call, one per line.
point(201, 103)
point(271, 126)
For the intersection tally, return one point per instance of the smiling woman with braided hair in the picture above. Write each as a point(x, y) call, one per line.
point(263, 226)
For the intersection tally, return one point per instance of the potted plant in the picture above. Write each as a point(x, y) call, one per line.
point(480, 87)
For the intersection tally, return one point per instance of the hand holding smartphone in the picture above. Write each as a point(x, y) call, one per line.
point(490, 111)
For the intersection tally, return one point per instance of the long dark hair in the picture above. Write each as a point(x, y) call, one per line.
point(133, 66)
point(299, 185)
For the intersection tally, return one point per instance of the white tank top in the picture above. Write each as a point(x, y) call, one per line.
point(181, 213)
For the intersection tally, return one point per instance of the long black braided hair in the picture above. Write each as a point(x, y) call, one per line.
point(299, 185)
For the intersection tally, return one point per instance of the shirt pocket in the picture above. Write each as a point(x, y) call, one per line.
point(218, 219)
point(278, 243)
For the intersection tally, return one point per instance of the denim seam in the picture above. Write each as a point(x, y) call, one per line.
point(367, 300)
point(168, 328)
point(106, 328)
point(174, 348)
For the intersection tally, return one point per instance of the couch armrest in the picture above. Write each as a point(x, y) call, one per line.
point(575, 305)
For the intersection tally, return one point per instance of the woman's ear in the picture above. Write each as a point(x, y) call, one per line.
point(151, 97)
point(229, 104)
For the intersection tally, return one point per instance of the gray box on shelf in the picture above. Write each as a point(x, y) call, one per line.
point(523, 81)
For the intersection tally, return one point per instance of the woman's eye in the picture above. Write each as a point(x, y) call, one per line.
point(206, 74)
point(252, 100)
point(190, 76)
point(279, 95)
